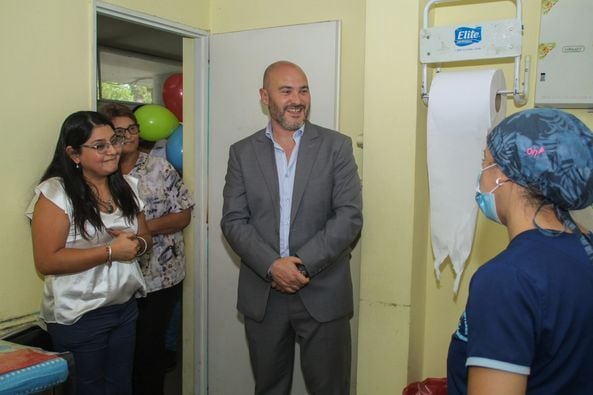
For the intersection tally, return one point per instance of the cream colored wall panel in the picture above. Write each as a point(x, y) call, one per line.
point(46, 69)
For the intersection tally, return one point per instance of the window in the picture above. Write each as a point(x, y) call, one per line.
point(131, 77)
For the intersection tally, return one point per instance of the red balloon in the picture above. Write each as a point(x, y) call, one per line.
point(173, 95)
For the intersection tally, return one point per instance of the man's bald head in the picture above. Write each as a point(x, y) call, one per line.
point(277, 67)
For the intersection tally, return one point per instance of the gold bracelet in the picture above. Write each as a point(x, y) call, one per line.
point(140, 253)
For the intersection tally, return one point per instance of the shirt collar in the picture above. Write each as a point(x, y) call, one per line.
point(297, 134)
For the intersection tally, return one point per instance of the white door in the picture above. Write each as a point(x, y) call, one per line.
point(237, 63)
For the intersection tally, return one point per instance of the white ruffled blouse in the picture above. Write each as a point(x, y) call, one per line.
point(66, 297)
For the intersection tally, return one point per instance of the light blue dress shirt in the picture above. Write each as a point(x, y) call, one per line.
point(286, 170)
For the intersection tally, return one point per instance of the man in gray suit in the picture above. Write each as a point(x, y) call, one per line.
point(292, 211)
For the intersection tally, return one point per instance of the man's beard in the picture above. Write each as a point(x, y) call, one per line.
point(278, 116)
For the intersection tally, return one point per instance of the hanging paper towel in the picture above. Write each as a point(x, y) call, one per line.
point(463, 107)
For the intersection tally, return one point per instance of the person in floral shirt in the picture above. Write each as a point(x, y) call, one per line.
point(168, 212)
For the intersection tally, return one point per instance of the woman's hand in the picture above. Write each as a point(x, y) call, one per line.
point(125, 246)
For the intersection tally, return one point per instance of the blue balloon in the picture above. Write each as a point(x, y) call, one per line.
point(175, 148)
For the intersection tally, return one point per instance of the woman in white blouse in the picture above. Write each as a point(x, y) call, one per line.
point(87, 229)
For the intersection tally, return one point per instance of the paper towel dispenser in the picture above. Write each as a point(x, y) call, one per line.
point(565, 55)
point(475, 41)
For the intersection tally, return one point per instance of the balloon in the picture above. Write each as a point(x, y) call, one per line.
point(173, 95)
point(175, 148)
point(156, 122)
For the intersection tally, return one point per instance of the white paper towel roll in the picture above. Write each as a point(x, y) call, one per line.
point(462, 108)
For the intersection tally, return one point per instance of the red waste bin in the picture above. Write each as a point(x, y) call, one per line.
point(430, 386)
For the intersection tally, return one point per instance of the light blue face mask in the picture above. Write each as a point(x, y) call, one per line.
point(486, 200)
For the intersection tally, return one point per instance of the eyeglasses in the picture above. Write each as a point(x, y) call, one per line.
point(132, 129)
point(101, 147)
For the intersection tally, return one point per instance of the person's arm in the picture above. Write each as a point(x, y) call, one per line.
point(49, 230)
point(143, 231)
point(169, 223)
point(175, 198)
point(343, 227)
point(243, 238)
point(501, 326)
point(485, 381)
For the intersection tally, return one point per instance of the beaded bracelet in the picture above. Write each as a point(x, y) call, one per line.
point(145, 246)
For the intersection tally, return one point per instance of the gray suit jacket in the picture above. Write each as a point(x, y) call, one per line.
point(326, 218)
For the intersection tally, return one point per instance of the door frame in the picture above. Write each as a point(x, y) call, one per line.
point(237, 59)
point(195, 108)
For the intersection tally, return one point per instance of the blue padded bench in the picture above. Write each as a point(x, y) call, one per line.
point(28, 370)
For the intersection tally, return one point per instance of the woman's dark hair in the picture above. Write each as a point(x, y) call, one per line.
point(76, 130)
point(535, 197)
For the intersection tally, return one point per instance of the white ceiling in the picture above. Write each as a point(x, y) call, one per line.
point(128, 36)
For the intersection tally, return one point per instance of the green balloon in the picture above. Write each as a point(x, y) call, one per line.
point(156, 122)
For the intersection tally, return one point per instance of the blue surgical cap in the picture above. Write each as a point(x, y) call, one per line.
point(548, 150)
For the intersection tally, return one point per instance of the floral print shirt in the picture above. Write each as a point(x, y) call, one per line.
point(163, 192)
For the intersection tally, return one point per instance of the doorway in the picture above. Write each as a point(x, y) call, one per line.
point(230, 94)
point(150, 40)
point(237, 61)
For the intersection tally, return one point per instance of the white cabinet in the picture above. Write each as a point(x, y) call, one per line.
point(565, 55)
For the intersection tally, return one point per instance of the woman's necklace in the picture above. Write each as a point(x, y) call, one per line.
point(107, 205)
